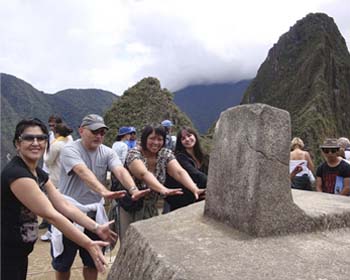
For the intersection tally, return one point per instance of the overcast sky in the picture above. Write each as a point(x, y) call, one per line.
point(112, 44)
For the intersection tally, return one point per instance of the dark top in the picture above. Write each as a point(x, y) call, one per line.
point(198, 175)
point(19, 226)
point(328, 174)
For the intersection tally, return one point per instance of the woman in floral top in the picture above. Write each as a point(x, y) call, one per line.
point(149, 165)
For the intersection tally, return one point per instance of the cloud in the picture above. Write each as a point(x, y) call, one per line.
point(113, 44)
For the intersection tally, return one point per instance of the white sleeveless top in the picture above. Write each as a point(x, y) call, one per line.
point(294, 163)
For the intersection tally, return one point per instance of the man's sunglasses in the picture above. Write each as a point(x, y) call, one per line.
point(330, 150)
point(40, 138)
point(102, 132)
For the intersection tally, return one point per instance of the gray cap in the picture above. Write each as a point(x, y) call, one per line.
point(93, 122)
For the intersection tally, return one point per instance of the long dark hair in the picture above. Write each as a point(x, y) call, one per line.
point(197, 149)
point(55, 118)
point(63, 129)
point(25, 123)
point(147, 130)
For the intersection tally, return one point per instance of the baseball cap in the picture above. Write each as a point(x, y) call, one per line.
point(124, 130)
point(166, 123)
point(93, 122)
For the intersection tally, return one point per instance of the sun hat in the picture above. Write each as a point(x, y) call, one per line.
point(330, 143)
point(343, 142)
point(166, 123)
point(93, 122)
point(124, 130)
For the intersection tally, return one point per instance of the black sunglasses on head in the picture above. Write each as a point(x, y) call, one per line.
point(330, 150)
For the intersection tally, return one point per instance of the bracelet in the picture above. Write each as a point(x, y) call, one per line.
point(134, 188)
point(95, 227)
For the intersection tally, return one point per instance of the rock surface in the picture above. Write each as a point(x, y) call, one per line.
point(248, 183)
point(255, 226)
point(185, 244)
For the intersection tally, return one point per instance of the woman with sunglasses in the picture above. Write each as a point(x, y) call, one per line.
point(149, 164)
point(189, 154)
point(333, 175)
point(22, 199)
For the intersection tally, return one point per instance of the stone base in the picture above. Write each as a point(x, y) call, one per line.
point(186, 245)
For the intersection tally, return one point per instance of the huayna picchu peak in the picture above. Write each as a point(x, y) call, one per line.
point(307, 73)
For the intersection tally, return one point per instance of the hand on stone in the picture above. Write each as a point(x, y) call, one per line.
point(199, 194)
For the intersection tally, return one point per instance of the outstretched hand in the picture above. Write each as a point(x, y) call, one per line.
point(113, 195)
point(137, 194)
point(95, 250)
point(170, 192)
point(106, 234)
point(199, 194)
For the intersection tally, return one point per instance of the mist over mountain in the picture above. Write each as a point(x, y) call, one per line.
point(204, 103)
point(307, 73)
point(21, 100)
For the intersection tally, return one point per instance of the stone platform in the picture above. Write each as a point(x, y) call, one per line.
point(252, 225)
point(213, 250)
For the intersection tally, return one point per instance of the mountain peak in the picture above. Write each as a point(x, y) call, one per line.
point(143, 104)
point(307, 73)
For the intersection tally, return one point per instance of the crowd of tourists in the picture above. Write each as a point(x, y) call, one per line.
point(331, 176)
point(69, 191)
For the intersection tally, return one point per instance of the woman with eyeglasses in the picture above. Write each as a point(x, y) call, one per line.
point(189, 154)
point(333, 175)
point(149, 164)
point(22, 199)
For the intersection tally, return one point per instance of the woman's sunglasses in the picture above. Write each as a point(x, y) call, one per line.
point(330, 150)
point(40, 138)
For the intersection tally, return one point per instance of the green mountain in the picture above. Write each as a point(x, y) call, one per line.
point(307, 73)
point(144, 103)
point(21, 100)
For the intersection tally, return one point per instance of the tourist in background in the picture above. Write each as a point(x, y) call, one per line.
point(298, 157)
point(149, 164)
point(52, 121)
point(22, 199)
point(132, 142)
point(189, 154)
point(344, 150)
point(120, 145)
point(52, 159)
point(170, 140)
point(333, 175)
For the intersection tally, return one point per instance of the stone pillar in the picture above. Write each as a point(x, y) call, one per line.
point(248, 183)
